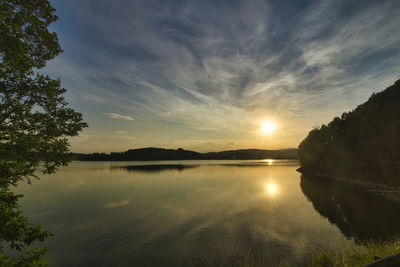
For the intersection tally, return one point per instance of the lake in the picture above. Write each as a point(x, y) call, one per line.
point(199, 213)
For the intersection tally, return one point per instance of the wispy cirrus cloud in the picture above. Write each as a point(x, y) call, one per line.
point(216, 68)
point(121, 132)
point(118, 116)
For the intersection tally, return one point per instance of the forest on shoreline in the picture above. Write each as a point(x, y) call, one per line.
point(362, 144)
point(151, 153)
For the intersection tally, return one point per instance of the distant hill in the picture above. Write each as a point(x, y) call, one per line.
point(152, 153)
point(290, 153)
point(363, 144)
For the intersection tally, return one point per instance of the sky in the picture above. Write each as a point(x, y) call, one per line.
point(204, 74)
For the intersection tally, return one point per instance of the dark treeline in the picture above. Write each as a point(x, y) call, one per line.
point(363, 144)
point(151, 153)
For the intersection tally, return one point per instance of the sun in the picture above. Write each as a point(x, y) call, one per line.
point(268, 127)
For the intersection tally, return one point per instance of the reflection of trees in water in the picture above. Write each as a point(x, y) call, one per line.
point(357, 212)
point(154, 168)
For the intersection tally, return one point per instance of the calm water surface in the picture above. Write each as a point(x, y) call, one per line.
point(195, 213)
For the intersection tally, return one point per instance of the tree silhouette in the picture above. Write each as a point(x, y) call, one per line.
point(35, 120)
point(363, 144)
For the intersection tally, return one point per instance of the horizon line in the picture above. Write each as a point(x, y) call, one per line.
point(186, 150)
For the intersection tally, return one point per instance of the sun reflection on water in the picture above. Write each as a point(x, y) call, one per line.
point(272, 188)
point(268, 161)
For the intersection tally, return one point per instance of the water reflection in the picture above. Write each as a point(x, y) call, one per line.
point(116, 204)
point(272, 189)
point(153, 168)
point(357, 212)
point(156, 168)
point(166, 217)
point(268, 161)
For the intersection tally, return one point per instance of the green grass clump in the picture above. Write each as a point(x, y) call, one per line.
point(353, 256)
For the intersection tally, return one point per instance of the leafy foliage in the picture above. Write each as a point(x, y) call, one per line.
point(35, 121)
point(18, 232)
point(363, 144)
point(34, 118)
